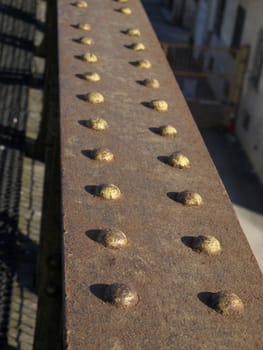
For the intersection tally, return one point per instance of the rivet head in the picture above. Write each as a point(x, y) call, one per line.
point(138, 47)
point(94, 97)
point(125, 10)
point(226, 303)
point(81, 4)
point(168, 130)
point(97, 124)
point(112, 238)
point(206, 244)
point(159, 105)
point(189, 198)
point(90, 57)
point(179, 160)
point(151, 83)
point(103, 154)
point(145, 64)
point(86, 41)
point(133, 32)
point(91, 76)
point(110, 192)
point(84, 26)
point(121, 295)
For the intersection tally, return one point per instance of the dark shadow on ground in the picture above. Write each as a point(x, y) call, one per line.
point(237, 173)
point(18, 253)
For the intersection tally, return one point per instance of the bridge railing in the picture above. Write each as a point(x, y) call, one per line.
point(132, 160)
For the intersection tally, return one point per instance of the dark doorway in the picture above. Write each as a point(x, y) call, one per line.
point(239, 26)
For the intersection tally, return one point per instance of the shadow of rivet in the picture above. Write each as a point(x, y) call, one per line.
point(98, 290)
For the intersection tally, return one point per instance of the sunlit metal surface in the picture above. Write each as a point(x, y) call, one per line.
point(172, 281)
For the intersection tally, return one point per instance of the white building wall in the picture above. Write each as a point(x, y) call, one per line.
point(250, 117)
point(229, 22)
point(189, 14)
point(249, 125)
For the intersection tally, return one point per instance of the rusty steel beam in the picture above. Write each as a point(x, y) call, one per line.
point(174, 283)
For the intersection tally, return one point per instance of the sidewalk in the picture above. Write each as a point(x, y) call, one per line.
point(242, 184)
point(21, 181)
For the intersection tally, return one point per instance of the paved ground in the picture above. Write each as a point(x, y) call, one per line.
point(237, 174)
point(21, 179)
point(242, 184)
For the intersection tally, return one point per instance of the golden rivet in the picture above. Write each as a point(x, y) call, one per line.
point(84, 26)
point(133, 32)
point(110, 192)
point(81, 4)
point(138, 47)
point(86, 41)
point(228, 304)
point(151, 83)
point(91, 76)
point(168, 130)
point(94, 97)
point(121, 295)
point(159, 105)
point(103, 154)
point(206, 244)
point(113, 238)
point(90, 57)
point(125, 10)
point(179, 160)
point(189, 198)
point(146, 64)
point(97, 124)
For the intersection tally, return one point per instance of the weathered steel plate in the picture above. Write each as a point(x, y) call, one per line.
point(167, 275)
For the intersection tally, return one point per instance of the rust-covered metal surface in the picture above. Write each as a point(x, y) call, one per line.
point(170, 279)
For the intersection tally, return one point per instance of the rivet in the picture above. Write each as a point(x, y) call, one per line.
point(110, 192)
point(206, 244)
point(133, 32)
point(179, 160)
point(125, 10)
point(159, 105)
point(146, 64)
point(151, 83)
point(122, 1)
point(138, 47)
point(189, 198)
point(112, 238)
point(94, 97)
point(90, 57)
point(226, 303)
point(51, 289)
point(97, 124)
point(81, 4)
point(86, 41)
point(121, 295)
point(103, 154)
point(84, 26)
point(91, 76)
point(168, 130)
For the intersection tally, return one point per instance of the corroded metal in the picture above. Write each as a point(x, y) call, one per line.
point(173, 282)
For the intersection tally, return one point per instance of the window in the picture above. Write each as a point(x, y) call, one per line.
point(258, 61)
point(246, 120)
point(239, 26)
point(219, 16)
